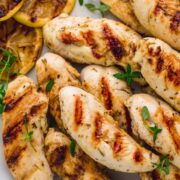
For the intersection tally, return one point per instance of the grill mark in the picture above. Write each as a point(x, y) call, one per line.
point(138, 157)
point(155, 175)
point(159, 65)
point(58, 156)
point(60, 5)
point(169, 11)
point(98, 126)
point(35, 109)
point(106, 94)
point(173, 75)
point(10, 106)
point(170, 123)
point(12, 132)
point(177, 176)
point(154, 52)
point(113, 42)
point(69, 38)
point(4, 11)
point(175, 21)
point(117, 144)
point(78, 116)
point(128, 121)
point(165, 63)
point(13, 159)
point(157, 9)
point(88, 36)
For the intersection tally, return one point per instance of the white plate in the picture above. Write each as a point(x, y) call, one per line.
point(4, 173)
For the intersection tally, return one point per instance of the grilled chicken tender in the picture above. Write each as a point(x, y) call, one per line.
point(124, 11)
point(174, 174)
point(96, 132)
point(161, 115)
point(53, 67)
point(92, 41)
point(24, 119)
point(161, 18)
point(160, 67)
point(111, 91)
point(81, 167)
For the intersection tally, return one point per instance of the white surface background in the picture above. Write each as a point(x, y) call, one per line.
point(4, 173)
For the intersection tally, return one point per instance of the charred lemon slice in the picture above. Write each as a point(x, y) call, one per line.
point(24, 42)
point(36, 13)
point(9, 7)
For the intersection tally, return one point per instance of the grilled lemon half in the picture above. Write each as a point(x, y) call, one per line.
point(9, 7)
point(36, 13)
point(24, 42)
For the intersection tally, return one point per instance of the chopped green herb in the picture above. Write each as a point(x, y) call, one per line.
point(50, 85)
point(128, 75)
point(2, 94)
point(145, 113)
point(155, 130)
point(102, 8)
point(81, 2)
point(6, 65)
point(28, 136)
point(72, 148)
point(163, 165)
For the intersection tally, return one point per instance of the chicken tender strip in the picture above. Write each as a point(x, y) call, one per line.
point(161, 115)
point(174, 174)
point(111, 91)
point(160, 67)
point(99, 136)
point(53, 67)
point(124, 11)
point(161, 18)
point(81, 167)
point(24, 119)
point(92, 41)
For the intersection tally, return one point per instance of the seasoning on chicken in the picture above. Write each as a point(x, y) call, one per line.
point(52, 67)
point(99, 136)
point(112, 92)
point(92, 41)
point(161, 18)
point(58, 152)
point(160, 67)
point(24, 119)
point(154, 122)
point(124, 11)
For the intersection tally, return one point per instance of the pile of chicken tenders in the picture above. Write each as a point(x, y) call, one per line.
point(102, 122)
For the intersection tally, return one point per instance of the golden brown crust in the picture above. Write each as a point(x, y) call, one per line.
point(17, 122)
point(57, 148)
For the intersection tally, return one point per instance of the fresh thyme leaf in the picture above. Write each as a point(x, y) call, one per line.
point(81, 2)
point(91, 7)
point(28, 136)
point(1, 108)
point(128, 75)
point(102, 8)
point(145, 113)
point(163, 165)
point(50, 85)
point(6, 64)
point(72, 148)
point(155, 130)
